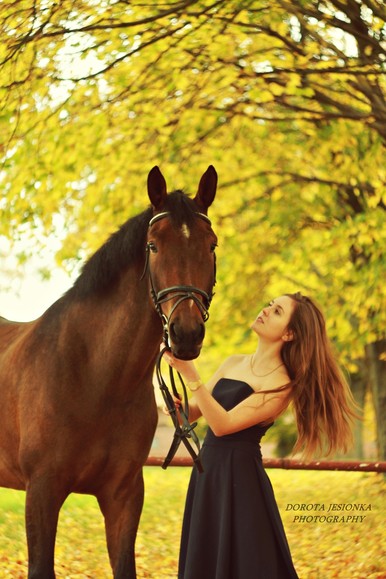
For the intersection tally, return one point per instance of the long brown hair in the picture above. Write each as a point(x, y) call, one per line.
point(323, 403)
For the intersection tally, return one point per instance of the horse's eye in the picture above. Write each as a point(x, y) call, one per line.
point(213, 247)
point(152, 246)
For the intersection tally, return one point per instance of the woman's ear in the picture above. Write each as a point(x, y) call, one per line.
point(288, 336)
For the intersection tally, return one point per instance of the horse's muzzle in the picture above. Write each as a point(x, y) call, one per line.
point(186, 344)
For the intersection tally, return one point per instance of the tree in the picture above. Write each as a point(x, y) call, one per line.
point(285, 98)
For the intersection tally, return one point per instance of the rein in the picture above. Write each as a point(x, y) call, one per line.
point(183, 429)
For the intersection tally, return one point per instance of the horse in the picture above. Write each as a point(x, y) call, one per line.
point(78, 411)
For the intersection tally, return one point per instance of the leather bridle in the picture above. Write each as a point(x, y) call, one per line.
point(183, 429)
point(182, 292)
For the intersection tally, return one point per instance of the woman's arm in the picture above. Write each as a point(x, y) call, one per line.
point(190, 374)
point(258, 408)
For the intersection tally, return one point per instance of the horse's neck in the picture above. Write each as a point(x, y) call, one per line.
point(119, 333)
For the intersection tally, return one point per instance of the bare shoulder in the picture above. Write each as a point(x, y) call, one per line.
point(277, 381)
point(233, 361)
point(226, 370)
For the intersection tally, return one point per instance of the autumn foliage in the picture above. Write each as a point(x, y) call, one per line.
point(285, 98)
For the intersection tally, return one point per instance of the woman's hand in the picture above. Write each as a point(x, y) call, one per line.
point(186, 368)
point(177, 404)
point(189, 373)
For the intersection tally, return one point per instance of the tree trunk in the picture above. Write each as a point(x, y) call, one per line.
point(376, 360)
point(358, 383)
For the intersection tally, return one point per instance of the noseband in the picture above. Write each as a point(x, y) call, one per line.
point(183, 429)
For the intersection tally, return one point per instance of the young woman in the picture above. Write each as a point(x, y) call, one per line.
point(232, 527)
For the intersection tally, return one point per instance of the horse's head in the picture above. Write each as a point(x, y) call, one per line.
point(181, 260)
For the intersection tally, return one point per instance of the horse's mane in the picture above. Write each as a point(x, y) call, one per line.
point(126, 246)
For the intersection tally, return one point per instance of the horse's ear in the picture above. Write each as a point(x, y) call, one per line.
point(206, 189)
point(156, 188)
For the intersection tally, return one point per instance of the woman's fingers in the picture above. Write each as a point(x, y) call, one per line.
point(177, 403)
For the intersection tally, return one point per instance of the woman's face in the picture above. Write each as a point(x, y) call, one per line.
point(272, 322)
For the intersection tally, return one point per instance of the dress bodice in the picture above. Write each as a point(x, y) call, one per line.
point(229, 392)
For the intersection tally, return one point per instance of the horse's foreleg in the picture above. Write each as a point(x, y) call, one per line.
point(43, 503)
point(122, 508)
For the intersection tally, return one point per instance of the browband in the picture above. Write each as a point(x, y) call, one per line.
point(166, 213)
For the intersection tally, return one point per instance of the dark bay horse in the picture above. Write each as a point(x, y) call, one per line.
point(77, 406)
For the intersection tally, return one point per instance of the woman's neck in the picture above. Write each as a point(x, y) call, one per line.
point(267, 354)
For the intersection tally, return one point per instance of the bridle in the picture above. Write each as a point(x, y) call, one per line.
point(182, 292)
point(183, 429)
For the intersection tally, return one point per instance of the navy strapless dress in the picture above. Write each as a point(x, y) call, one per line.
point(232, 527)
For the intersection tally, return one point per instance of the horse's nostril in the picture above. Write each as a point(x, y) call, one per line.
point(179, 335)
point(173, 332)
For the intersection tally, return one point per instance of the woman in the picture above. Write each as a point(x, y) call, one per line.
point(232, 527)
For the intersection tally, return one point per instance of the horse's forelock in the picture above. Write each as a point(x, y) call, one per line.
point(181, 207)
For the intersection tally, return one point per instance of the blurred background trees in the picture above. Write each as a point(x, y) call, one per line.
point(285, 98)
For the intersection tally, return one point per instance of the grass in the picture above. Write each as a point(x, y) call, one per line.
point(321, 550)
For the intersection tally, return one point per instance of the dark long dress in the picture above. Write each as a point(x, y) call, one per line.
point(232, 527)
